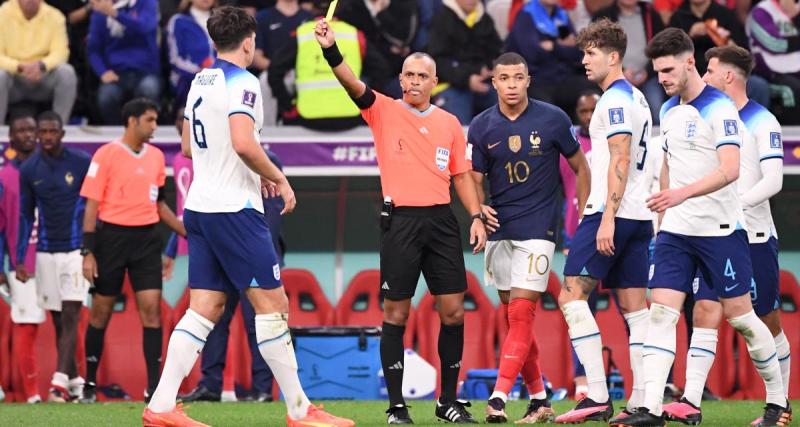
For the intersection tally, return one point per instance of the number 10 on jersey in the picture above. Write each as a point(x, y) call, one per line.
point(518, 172)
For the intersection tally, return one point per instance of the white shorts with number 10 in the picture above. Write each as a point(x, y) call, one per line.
point(523, 264)
point(59, 277)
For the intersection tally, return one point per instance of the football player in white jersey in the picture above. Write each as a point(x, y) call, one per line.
point(702, 228)
point(611, 242)
point(230, 247)
point(761, 177)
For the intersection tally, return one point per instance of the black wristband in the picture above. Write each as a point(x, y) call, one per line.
point(89, 238)
point(332, 55)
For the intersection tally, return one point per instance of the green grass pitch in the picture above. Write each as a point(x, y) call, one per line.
point(365, 413)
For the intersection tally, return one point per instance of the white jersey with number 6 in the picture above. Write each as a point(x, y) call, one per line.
point(222, 182)
point(621, 110)
point(692, 134)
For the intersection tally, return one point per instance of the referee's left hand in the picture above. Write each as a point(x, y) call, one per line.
point(477, 236)
point(90, 268)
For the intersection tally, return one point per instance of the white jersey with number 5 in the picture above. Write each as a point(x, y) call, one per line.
point(692, 133)
point(764, 143)
point(222, 182)
point(621, 110)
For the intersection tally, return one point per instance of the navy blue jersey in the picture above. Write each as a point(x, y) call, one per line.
point(521, 160)
point(52, 185)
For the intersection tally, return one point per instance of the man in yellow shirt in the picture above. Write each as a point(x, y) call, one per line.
point(33, 57)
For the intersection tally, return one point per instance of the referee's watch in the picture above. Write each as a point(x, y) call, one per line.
point(85, 251)
point(479, 216)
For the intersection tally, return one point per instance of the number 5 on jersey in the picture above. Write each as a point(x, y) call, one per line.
point(198, 130)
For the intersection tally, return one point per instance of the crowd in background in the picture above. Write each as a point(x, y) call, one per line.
point(85, 58)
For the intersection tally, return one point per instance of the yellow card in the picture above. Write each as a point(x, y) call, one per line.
point(331, 9)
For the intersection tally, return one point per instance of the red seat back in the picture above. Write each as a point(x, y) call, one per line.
point(361, 305)
point(308, 305)
point(479, 322)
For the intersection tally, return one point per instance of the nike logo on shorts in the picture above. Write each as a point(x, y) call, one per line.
point(730, 288)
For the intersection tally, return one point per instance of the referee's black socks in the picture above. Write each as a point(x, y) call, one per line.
point(151, 343)
point(451, 348)
point(392, 361)
point(95, 339)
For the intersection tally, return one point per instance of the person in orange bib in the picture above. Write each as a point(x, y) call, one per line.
point(420, 149)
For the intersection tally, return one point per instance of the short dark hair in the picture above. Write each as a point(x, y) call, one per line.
point(228, 26)
point(15, 117)
point(510, 58)
point(606, 35)
point(136, 107)
point(738, 57)
point(669, 42)
point(50, 116)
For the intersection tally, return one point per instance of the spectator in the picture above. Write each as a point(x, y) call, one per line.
point(190, 48)
point(77, 13)
point(276, 28)
point(464, 43)
point(321, 102)
point(426, 10)
point(774, 32)
point(666, 8)
point(710, 25)
point(390, 26)
point(33, 57)
point(543, 35)
point(124, 53)
point(641, 23)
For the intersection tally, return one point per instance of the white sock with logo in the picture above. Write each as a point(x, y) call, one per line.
point(699, 359)
point(586, 340)
point(275, 345)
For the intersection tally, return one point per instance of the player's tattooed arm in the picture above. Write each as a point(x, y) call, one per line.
point(619, 147)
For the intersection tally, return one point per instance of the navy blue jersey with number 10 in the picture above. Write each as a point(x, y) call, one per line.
point(521, 159)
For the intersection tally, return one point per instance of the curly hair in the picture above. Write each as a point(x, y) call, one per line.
point(605, 35)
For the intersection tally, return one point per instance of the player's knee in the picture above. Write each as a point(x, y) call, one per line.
point(452, 315)
point(396, 316)
point(100, 316)
point(773, 322)
point(151, 316)
point(505, 296)
point(707, 314)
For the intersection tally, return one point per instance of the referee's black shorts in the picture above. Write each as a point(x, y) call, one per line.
point(422, 239)
point(120, 249)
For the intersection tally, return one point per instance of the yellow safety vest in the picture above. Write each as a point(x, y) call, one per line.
point(319, 94)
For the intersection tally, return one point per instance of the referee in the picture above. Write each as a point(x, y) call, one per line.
point(419, 148)
point(124, 191)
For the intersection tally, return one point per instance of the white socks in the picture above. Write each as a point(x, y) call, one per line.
point(637, 324)
point(699, 359)
point(275, 344)
point(761, 347)
point(784, 359)
point(185, 344)
point(586, 340)
point(658, 354)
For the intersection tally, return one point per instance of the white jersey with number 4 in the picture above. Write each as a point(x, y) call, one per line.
point(621, 110)
point(222, 182)
point(765, 143)
point(692, 133)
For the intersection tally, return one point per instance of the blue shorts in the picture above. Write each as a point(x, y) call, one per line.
point(230, 251)
point(723, 262)
point(627, 268)
point(765, 294)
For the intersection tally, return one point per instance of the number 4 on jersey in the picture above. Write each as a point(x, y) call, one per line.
point(198, 129)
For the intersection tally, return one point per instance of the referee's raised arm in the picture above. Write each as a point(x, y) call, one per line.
point(327, 40)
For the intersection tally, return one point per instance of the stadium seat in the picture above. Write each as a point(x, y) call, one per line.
point(750, 383)
point(308, 305)
point(479, 323)
point(123, 360)
point(361, 305)
point(551, 335)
